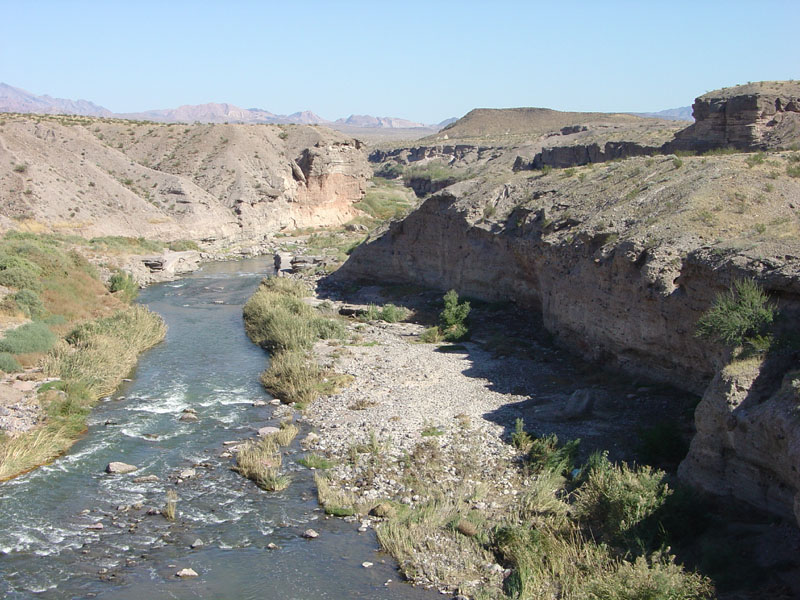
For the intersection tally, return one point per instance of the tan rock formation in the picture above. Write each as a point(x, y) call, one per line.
point(216, 183)
point(748, 440)
point(756, 116)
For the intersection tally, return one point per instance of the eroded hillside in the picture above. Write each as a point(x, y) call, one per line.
point(214, 183)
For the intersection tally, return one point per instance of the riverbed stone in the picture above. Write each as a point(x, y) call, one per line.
point(198, 543)
point(187, 572)
point(310, 534)
point(265, 431)
point(147, 479)
point(189, 417)
point(118, 468)
point(187, 473)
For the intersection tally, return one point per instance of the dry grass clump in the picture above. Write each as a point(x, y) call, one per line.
point(288, 431)
point(292, 377)
point(260, 461)
point(336, 501)
point(170, 509)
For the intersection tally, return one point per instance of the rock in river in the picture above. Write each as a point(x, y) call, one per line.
point(120, 467)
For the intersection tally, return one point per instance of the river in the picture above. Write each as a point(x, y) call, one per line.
point(48, 548)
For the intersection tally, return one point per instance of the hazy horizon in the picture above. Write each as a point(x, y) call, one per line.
point(425, 63)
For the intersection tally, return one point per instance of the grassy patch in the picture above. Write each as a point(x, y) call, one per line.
point(277, 318)
point(260, 461)
point(316, 461)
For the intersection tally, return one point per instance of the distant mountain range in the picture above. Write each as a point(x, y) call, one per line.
point(683, 113)
point(21, 101)
point(14, 99)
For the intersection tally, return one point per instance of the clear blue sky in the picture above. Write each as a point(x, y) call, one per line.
point(424, 61)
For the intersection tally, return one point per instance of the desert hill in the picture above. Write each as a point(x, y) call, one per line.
point(219, 183)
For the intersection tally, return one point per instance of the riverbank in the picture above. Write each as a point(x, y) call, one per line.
point(448, 451)
point(68, 340)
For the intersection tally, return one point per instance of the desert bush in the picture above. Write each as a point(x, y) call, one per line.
point(28, 301)
point(389, 313)
point(654, 578)
point(755, 159)
point(432, 335)
point(615, 499)
point(33, 337)
point(9, 364)
point(742, 312)
point(546, 455)
point(124, 284)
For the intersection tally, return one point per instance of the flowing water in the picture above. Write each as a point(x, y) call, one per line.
point(47, 548)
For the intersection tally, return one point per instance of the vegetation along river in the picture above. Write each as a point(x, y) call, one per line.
point(52, 547)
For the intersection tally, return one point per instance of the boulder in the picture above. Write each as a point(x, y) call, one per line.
point(265, 431)
point(119, 468)
point(310, 534)
point(580, 404)
point(186, 573)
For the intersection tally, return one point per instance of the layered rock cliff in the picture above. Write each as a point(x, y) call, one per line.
point(756, 116)
point(620, 261)
point(216, 183)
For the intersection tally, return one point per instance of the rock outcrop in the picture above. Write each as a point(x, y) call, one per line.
point(747, 443)
point(756, 116)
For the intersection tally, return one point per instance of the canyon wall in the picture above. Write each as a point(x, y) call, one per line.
point(620, 261)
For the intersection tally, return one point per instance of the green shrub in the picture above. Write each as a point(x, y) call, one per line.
point(658, 578)
point(545, 454)
point(9, 364)
point(123, 283)
point(742, 312)
point(677, 162)
point(388, 313)
point(29, 303)
point(453, 318)
point(432, 335)
point(615, 499)
point(33, 337)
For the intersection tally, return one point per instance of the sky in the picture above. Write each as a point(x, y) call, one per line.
point(423, 61)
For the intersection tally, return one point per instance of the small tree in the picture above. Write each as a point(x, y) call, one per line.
point(453, 318)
